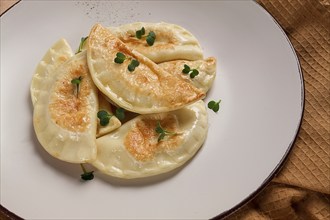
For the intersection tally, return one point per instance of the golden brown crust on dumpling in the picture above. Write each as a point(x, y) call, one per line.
point(148, 89)
point(172, 41)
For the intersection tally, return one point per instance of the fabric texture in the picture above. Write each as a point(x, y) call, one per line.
point(301, 190)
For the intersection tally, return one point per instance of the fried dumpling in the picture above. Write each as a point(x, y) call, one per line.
point(134, 150)
point(146, 89)
point(172, 41)
point(65, 114)
point(55, 56)
point(114, 122)
point(206, 69)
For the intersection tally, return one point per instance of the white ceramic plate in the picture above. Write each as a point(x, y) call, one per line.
point(258, 80)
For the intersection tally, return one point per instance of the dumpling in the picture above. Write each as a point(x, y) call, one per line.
point(147, 89)
point(172, 41)
point(133, 150)
point(206, 68)
point(65, 114)
point(55, 56)
point(114, 122)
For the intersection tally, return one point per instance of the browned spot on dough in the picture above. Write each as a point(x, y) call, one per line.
point(141, 141)
point(66, 109)
point(164, 40)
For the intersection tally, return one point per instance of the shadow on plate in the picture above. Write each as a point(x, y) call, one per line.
point(140, 182)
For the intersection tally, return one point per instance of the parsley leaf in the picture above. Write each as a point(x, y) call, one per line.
point(194, 73)
point(214, 105)
point(120, 58)
point(151, 38)
point(140, 32)
point(104, 117)
point(134, 63)
point(162, 132)
point(120, 113)
point(187, 70)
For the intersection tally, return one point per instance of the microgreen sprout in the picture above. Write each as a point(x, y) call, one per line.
point(214, 105)
point(120, 57)
point(187, 70)
point(139, 33)
point(104, 117)
point(162, 132)
point(86, 175)
point(76, 82)
point(120, 113)
point(82, 43)
point(134, 63)
point(150, 38)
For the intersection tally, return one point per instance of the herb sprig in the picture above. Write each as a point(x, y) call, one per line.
point(105, 117)
point(86, 175)
point(162, 132)
point(150, 38)
point(81, 45)
point(76, 82)
point(214, 105)
point(140, 32)
point(120, 113)
point(192, 72)
point(120, 58)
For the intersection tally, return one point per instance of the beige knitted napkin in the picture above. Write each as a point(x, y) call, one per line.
point(302, 189)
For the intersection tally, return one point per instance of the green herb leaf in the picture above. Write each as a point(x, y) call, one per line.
point(120, 113)
point(86, 175)
point(159, 128)
point(104, 117)
point(186, 69)
point(134, 63)
point(151, 38)
point(104, 121)
point(102, 114)
point(162, 133)
point(215, 106)
point(120, 58)
point(81, 45)
point(77, 80)
point(140, 32)
point(194, 73)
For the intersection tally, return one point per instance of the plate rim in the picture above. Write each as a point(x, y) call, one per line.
point(12, 216)
point(283, 160)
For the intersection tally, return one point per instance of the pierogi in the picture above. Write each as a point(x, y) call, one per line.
point(166, 119)
point(134, 151)
point(148, 89)
point(64, 117)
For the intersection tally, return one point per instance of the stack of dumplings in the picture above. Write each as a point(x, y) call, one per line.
point(159, 84)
